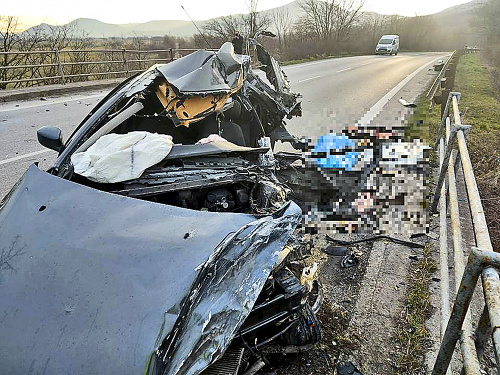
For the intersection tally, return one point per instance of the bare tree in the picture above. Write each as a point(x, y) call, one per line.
point(282, 23)
point(317, 18)
point(487, 19)
point(222, 29)
point(138, 44)
point(254, 21)
point(347, 13)
point(9, 27)
point(59, 37)
point(82, 44)
point(486, 22)
point(331, 18)
point(13, 39)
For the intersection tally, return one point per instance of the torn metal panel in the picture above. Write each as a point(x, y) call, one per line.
point(282, 95)
point(224, 294)
point(90, 296)
point(206, 71)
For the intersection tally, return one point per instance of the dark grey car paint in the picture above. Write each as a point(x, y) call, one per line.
point(203, 72)
point(86, 277)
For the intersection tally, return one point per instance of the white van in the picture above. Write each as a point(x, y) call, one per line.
point(388, 44)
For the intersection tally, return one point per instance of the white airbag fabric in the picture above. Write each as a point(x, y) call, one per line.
point(121, 157)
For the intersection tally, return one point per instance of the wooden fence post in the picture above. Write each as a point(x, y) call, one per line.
point(125, 64)
point(60, 71)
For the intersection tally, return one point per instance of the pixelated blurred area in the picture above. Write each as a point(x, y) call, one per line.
point(365, 179)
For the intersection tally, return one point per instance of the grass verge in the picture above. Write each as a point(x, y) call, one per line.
point(412, 333)
point(480, 108)
point(424, 122)
point(325, 57)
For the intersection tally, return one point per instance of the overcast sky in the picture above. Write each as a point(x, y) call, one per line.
point(113, 11)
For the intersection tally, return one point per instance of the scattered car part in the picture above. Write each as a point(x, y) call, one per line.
point(349, 260)
point(377, 237)
point(347, 368)
point(336, 250)
point(407, 104)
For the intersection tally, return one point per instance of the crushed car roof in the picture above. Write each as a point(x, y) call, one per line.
point(204, 71)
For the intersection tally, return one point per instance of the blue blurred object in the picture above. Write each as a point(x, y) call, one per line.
point(338, 152)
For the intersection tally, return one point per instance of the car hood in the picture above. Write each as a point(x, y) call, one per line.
point(92, 282)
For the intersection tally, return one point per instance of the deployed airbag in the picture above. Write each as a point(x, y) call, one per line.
point(121, 157)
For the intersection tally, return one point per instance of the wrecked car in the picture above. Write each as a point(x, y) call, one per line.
point(162, 240)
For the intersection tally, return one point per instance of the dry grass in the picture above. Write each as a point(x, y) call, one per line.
point(413, 334)
point(480, 107)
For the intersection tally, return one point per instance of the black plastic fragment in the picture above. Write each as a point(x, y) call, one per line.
point(378, 237)
point(350, 260)
point(347, 368)
point(336, 250)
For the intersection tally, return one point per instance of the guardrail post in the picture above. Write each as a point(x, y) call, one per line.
point(124, 58)
point(458, 313)
point(171, 54)
point(444, 94)
point(483, 332)
point(450, 78)
point(491, 289)
point(60, 71)
point(443, 119)
point(444, 168)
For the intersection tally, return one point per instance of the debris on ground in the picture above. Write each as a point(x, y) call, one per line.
point(407, 104)
point(347, 368)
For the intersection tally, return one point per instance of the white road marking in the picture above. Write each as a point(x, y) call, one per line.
point(20, 157)
point(308, 79)
point(307, 64)
point(377, 107)
point(343, 70)
point(366, 63)
point(47, 103)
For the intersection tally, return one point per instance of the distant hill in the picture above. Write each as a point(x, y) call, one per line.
point(98, 29)
point(456, 20)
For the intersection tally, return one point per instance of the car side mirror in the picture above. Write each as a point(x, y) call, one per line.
point(50, 137)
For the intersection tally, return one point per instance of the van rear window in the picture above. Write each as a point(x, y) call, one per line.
point(385, 41)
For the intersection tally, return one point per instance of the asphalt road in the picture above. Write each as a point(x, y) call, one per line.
point(336, 93)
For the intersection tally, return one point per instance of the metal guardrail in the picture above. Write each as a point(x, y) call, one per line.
point(78, 65)
point(457, 325)
point(438, 81)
